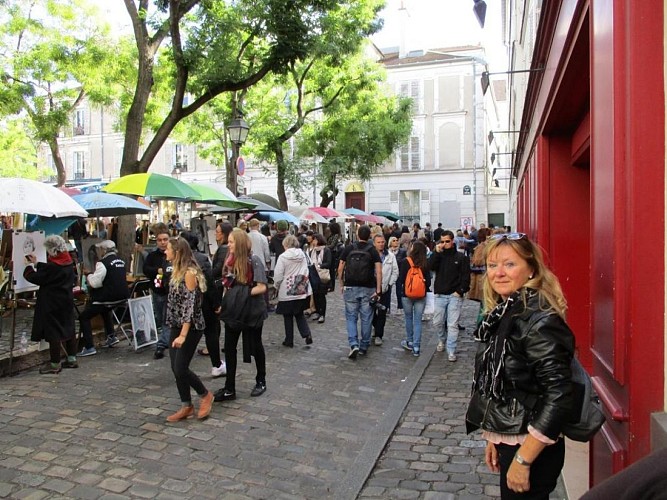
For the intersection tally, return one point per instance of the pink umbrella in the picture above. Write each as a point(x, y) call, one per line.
point(70, 191)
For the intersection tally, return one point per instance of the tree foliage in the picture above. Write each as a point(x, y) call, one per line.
point(54, 55)
point(18, 154)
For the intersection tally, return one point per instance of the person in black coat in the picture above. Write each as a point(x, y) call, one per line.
point(320, 255)
point(54, 311)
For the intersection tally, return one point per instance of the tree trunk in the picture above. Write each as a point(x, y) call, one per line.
point(280, 164)
point(57, 160)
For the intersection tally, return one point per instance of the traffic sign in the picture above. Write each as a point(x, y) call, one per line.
point(240, 165)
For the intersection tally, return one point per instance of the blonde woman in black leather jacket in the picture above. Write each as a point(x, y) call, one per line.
point(524, 356)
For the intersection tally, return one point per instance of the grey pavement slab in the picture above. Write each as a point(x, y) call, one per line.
point(387, 426)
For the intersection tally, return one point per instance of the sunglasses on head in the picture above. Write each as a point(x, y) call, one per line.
point(508, 236)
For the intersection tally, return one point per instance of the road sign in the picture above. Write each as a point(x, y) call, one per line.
point(240, 165)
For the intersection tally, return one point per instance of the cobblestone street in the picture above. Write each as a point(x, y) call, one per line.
point(387, 426)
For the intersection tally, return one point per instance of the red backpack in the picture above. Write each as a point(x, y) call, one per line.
point(415, 284)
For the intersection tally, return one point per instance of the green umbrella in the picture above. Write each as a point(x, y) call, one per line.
point(211, 195)
point(387, 215)
point(154, 185)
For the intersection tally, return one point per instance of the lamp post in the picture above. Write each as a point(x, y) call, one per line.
point(238, 133)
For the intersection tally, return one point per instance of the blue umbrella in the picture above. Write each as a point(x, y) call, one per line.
point(275, 217)
point(100, 204)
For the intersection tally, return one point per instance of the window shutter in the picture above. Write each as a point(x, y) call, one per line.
point(415, 150)
point(425, 206)
point(393, 201)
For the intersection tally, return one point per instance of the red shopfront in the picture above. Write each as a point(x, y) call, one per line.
point(591, 190)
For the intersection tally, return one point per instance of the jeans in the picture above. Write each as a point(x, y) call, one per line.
point(180, 365)
point(87, 314)
point(413, 310)
point(358, 304)
point(160, 313)
point(447, 308)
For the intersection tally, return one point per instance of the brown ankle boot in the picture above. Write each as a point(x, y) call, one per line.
point(182, 414)
point(205, 406)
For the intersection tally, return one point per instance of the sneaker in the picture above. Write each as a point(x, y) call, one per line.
point(260, 388)
point(70, 364)
point(354, 350)
point(288, 344)
point(49, 370)
point(87, 351)
point(315, 317)
point(363, 352)
point(406, 345)
point(320, 319)
point(309, 339)
point(378, 341)
point(451, 357)
point(415, 353)
point(223, 395)
point(441, 346)
point(159, 353)
point(219, 371)
point(111, 341)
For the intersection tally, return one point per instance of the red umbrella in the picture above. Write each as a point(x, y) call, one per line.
point(69, 191)
point(326, 212)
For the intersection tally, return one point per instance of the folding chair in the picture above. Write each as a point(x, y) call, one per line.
point(120, 309)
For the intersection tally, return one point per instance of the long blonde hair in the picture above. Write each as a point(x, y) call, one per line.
point(543, 280)
point(183, 262)
point(242, 246)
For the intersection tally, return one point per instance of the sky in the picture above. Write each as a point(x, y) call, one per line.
point(443, 23)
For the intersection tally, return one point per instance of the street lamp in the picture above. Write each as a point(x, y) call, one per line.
point(238, 130)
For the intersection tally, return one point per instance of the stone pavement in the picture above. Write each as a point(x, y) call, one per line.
point(385, 426)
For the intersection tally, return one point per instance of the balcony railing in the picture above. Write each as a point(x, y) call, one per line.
point(79, 130)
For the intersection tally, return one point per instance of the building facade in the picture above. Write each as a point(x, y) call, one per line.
point(588, 183)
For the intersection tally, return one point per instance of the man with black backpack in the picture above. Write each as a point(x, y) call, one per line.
point(360, 274)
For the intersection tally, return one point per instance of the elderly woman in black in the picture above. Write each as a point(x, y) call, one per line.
point(54, 311)
point(525, 354)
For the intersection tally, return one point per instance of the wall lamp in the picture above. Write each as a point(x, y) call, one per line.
point(493, 156)
point(485, 76)
point(493, 174)
point(502, 132)
point(480, 11)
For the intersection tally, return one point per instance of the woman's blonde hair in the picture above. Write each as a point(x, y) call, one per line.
point(183, 262)
point(405, 240)
point(543, 280)
point(242, 247)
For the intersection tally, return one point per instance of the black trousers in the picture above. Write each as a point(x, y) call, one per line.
point(54, 348)
point(90, 312)
point(320, 300)
point(380, 317)
point(543, 473)
point(180, 365)
point(301, 324)
point(231, 341)
point(212, 333)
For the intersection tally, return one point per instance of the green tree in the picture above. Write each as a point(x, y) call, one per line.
point(54, 57)
point(18, 154)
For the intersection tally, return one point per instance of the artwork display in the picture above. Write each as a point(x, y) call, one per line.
point(90, 253)
point(143, 321)
point(26, 243)
point(139, 257)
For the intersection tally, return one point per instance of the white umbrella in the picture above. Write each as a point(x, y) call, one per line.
point(32, 197)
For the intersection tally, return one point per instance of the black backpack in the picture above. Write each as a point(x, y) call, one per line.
point(359, 266)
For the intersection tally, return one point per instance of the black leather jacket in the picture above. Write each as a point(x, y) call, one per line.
point(538, 354)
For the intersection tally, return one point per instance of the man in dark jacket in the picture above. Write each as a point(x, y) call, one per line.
point(158, 269)
point(452, 281)
point(276, 243)
point(106, 284)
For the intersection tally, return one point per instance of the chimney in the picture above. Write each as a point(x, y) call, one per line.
point(403, 17)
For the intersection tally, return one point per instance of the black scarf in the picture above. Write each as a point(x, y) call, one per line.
point(493, 330)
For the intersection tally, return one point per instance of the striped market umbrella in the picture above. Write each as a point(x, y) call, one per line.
point(156, 186)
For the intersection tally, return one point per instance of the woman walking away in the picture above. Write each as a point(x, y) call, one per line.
point(243, 269)
point(54, 310)
point(320, 255)
point(291, 279)
point(524, 355)
point(414, 306)
point(186, 321)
